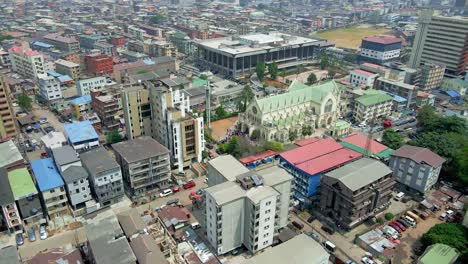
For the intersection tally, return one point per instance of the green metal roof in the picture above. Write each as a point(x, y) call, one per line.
point(298, 93)
point(373, 97)
point(439, 254)
point(384, 154)
point(197, 82)
point(342, 124)
point(21, 183)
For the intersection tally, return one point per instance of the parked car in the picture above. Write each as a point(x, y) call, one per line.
point(172, 202)
point(328, 229)
point(397, 228)
point(399, 196)
point(175, 188)
point(410, 220)
point(367, 260)
point(446, 215)
point(403, 222)
point(19, 239)
point(166, 192)
point(49, 129)
point(314, 236)
point(31, 235)
point(297, 225)
point(42, 232)
point(200, 191)
point(189, 185)
point(310, 219)
point(402, 227)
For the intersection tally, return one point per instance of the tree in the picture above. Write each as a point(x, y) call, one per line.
point(203, 77)
point(260, 70)
point(233, 147)
point(453, 235)
point(283, 73)
point(388, 216)
point(255, 134)
point(292, 134)
point(426, 118)
point(223, 148)
point(273, 145)
point(324, 61)
point(246, 97)
point(311, 79)
point(180, 86)
point(158, 19)
point(220, 112)
point(273, 70)
point(306, 130)
point(25, 102)
point(299, 69)
point(392, 139)
point(113, 136)
point(379, 220)
point(351, 58)
point(5, 37)
point(331, 73)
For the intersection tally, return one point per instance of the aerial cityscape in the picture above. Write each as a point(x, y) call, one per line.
point(233, 131)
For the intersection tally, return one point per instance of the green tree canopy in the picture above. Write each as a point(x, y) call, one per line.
point(312, 78)
point(233, 147)
point(158, 19)
point(292, 134)
point(255, 134)
point(324, 61)
point(220, 112)
point(307, 130)
point(5, 37)
point(331, 73)
point(246, 97)
point(273, 70)
point(260, 70)
point(25, 102)
point(389, 216)
point(273, 145)
point(392, 139)
point(113, 137)
point(454, 235)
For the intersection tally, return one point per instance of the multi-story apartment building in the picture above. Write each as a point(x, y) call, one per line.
point(247, 208)
point(80, 106)
point(380, 49)
point(81, 135)
point(65, 157)
point(49, 88)
point(137, 111)
point(8, 127)
point(66, 44)
point(136, 32)
point(88, 41)
point(372, 105)
point(11, 217)
point(442, 40)
point(26, 196)
point(132, 56)
point(355, 192)
point(362, 78)
point(105, 176)
point(107, 107)
point(417, 168)
point(238, 56)
point(68, 68)
point(51, 187)
point(174, 126)
point(145, 164)
point(431, 76)
point(4, 59)
point(77, 186)
point(183, 43)
point(406, 91)
point(104, 48)
point(27, 62)
point(99, 64)
point(85, 86)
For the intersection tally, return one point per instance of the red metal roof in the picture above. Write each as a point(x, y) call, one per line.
point(256, 157)
point(311, 151)
point(306, 141)
point(383, 39)
point(329, 161)
point(361, 140)
point(362, 72)
point(419, 155)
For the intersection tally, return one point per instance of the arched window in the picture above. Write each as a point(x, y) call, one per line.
point(328, 106)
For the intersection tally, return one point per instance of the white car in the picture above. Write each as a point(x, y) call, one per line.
point(367, 260)
point(42, 232)
point(166, 192)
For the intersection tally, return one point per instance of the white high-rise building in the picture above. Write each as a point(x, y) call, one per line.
point(248, 208)
point(27, 62)
point(49, 88)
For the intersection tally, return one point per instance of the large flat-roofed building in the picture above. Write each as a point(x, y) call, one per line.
point(67, 44)
point(355, 192)
point(68, 68)
point(238, 56)
point(380, 49)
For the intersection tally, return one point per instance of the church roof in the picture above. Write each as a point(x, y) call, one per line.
point(298, 93)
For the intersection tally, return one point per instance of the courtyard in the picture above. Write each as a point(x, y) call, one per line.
point(350, 37)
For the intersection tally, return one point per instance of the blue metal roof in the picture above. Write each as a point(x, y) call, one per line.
point(46, 174)
point(86, 99)
point(80, 131)
point(452, 93)
point(42, 44)
point(397, 98)
point(64, 78)
point(54, 73)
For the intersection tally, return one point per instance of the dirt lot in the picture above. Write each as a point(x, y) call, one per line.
point(350, 37)
point(220, 127)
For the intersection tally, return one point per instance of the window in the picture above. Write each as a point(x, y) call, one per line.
point(266, 227)
point(52, 191)
point(267, 219)
point(266, 235)
point(267, 211)
point(268, 203)
point(328, 106)
point(265, 243)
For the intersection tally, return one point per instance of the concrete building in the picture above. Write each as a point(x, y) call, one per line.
point(417, 168)
point(26, 196)
point(27, 62)
point(183, 43)
point(136, 32)
point(105, 48)
point(88, 41)
point(362, 78)
point(68, 68)
point(8, 127)
point(145, 164)
point(105, 176)
point(64, 157)
point(399, 88)
point(81, 135)
point(306, 251)
point(108, 108)
point(238, 56)
point(53, 140)
point(66, 44)
point(279, 115)
point(380, 49)
point(441, 40)
point(51, 187)
point(49, 88)
point(99, 64)
point(137, 111)
point(372, 105)
point(174, 126)
point(81, 106)
point(77, 186)
point(85, 86)
point(355, 192)
point(248, 208)
point(431, 76)
point(132, 56)
point(11, 218)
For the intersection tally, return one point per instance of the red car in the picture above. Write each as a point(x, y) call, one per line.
point(402, 227)
point(175, 188)
point(395, 227)
point(189, 185)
